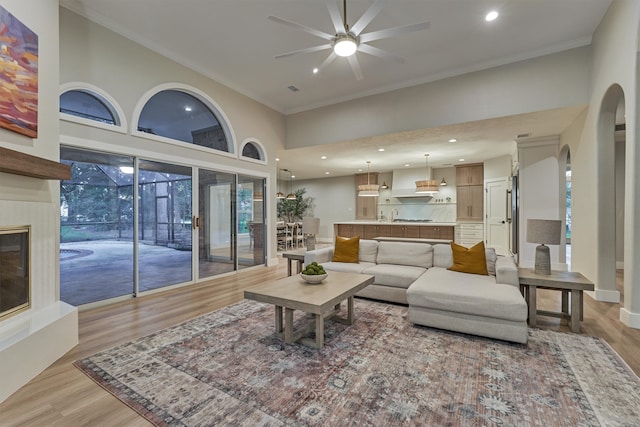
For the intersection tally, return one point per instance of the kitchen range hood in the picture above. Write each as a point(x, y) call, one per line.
point(404, 182)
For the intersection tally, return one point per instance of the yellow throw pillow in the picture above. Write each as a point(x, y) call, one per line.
point(346, 250)
point(472, 260)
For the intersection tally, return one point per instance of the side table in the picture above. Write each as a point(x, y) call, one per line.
point(294, 256)
point(568, 282)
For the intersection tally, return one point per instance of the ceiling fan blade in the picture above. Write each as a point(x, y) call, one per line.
point(336, 18)
point(301, 27)
point(327, 61)
point(305, 50)
point(365, 48)
point(391, 32)
point(355, 67)
point(367, 17)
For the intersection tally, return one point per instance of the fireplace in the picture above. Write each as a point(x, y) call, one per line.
point(15, 283)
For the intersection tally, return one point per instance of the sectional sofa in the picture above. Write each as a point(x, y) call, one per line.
point(417, 274)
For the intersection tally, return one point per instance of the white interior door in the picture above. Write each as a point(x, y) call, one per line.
point(496, 226)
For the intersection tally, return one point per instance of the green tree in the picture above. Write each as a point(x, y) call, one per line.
point(293, 210)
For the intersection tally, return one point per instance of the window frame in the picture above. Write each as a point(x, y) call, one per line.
point(202, 97)
point(110, 103)
point(261, 151)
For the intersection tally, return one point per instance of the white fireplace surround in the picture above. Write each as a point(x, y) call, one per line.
point(32, 340)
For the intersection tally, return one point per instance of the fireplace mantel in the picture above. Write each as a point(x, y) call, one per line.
point(24, 164)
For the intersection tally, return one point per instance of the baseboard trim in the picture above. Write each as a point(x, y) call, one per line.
point(605, 296)
point(272, 262)
point(630, 319)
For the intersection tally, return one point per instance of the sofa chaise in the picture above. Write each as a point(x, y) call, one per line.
point(418, 274)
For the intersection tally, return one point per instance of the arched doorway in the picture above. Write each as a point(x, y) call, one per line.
point(610, 193)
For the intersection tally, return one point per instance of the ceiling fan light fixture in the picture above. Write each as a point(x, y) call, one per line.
point(345, 45)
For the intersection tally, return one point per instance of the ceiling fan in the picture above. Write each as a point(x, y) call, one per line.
point(349, 40)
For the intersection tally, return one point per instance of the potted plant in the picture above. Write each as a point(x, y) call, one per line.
point(292, 210)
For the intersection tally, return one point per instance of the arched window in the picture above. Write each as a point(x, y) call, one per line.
point(252, 150)
point(181, 116)
point(88, 105)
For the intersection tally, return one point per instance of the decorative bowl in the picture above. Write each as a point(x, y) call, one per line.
point(313, 278)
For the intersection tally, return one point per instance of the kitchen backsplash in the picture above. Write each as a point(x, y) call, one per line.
point(418, 209)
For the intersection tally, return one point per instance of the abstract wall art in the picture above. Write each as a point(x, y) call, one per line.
point(18, 76)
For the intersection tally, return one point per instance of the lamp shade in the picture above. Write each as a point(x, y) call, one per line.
point(310, 225)
point(544, 231)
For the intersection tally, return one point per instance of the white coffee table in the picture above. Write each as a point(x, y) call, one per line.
point(323, 300)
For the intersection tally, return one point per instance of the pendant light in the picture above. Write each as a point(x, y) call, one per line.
point(443, 183)
point(279, 194)
point(368, 189)
point(428, 186)
point(291, 195)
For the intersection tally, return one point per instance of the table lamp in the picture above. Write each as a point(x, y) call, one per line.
point(310, 227)
point(543, 231)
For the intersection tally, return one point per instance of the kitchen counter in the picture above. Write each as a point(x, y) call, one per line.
point(399, 229)
point(385, 222)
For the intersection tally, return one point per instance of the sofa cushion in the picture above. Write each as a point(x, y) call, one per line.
point(447, 290)
point(346, 249)
point(404, 253)
point(347, 267)
point(368, 250)
point(469, 260)
point(443, 257)
point(399, 276)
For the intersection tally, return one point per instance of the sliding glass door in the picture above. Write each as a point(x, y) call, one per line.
point(96, 227)
point(216, 223)
point(127, 225)
point(251, 229)
point(164, 225)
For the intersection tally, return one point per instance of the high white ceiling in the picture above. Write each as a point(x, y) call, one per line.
point(233, 42)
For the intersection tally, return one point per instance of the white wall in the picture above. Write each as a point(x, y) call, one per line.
point(561, 80)
point(539, 193)
point(127, 71)
point(499, 167)
point(32, 340)
point(334, 200)
point(614, 62)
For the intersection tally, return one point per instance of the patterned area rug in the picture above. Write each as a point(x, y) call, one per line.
point(227, 368)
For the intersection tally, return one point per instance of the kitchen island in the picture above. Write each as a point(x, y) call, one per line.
point(399, 229)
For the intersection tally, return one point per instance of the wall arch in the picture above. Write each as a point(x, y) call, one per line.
point(202, 97)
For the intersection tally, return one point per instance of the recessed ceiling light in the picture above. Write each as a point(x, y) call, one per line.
point(277, 159)
point(461, 160)
point(380, 149)
point(187, 108)
point(327, 173)
point(315, 71)
point(491, 16)
point(407, 165)
point(453, 140)
point(323, 157)
point(293, 176)
point(360, 170)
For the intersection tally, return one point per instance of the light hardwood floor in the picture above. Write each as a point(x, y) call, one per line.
point(63, 396)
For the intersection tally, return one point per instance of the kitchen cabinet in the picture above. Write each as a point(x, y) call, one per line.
point(349, 230)
point(436, 232)
point(470, 193)
point(405, 231)
point(469, 175)
point(469, 233)
point(366, 207)
point(470, 203)
point(371, 231)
